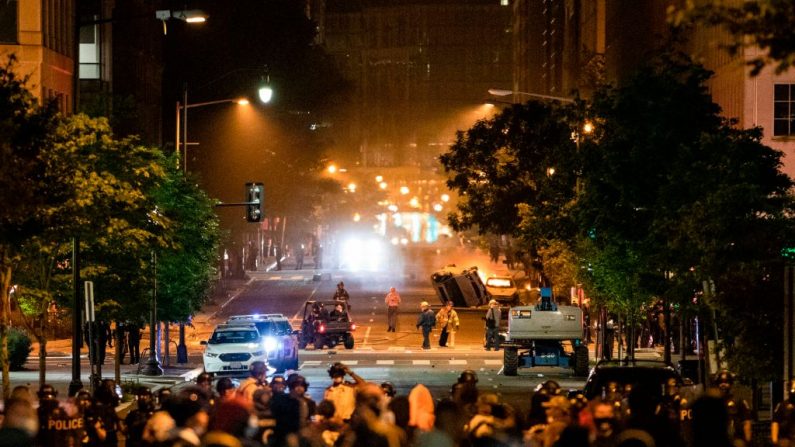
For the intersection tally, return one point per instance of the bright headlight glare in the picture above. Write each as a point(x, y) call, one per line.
point(270, 344)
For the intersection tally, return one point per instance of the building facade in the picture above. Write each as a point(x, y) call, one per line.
point(604, 40)
point(120, 78)
point(417, 66)
point(40, 33)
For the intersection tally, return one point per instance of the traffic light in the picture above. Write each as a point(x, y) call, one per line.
point(254, 196)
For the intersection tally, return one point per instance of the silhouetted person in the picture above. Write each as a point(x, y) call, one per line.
point(299, 257)
point(134, 342)
point(710, 425)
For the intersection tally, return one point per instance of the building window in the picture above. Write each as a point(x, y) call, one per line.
point(784, 110)
point(90, 66)
point(8, 21)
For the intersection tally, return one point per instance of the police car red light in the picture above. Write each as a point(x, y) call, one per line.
point(353, 326)
point(322, 329)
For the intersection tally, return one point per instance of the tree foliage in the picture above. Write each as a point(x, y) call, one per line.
point(121, 199)
point(186, 266)
point(674, 195)
point(767, 24)
point(670, 195)
point(504, 162)
point(25, 132)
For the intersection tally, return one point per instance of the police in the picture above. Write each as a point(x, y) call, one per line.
point(673, 407)
point(102, 423)
point(136, 419)
point(739, 410)
point(544, 392)
point(51, 417)
point(83, 403)
point(613, 395)
point(782, 429)
point(468, 376)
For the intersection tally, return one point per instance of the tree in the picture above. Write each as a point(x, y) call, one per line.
point(25, 129)
point(767, 24)
point(102, 186)
point(673, 194)
point(516, 173)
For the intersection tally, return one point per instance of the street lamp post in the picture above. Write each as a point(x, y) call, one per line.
point(153, 367)
point(182, 126)
point(182, 135)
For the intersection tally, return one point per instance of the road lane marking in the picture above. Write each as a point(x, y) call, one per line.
point(458, 362)
point(311, 363)
point(492, 362)
point(230, 299)
point(352, 362)
point(366, 335)
point(420, 362)
point(384, 362)
point(301, 309)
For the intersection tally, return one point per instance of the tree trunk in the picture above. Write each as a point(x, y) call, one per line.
point(117, 361)
point(42, 360)
point(166, 348)
point(667, 336)
point(5, 288)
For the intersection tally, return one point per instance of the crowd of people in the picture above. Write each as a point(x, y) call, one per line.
point(277, 411)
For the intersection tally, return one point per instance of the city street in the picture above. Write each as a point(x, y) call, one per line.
point(377, 355)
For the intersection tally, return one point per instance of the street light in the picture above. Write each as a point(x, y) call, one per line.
point(188, 16)
point(182, 127)
point(501, 92)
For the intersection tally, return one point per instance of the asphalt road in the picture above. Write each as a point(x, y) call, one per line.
point(396, 357)
point(378, 355)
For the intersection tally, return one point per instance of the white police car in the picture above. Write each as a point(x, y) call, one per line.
point(232, 348)
point(278, 338)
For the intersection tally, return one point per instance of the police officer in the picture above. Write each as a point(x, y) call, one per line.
point(389, 391)
point(341, 392)
point(205, 382)
point(468, 376)
point(613, 394)
point(782, 429)
point(102, 423)
point(136, 419)
point(50, 416)
point(279, 385)
point(739, 410)
point(84, 404)
point(162, 396)
point(341, 293)
point(673, 407)
point(543, 393)
point(134, 341)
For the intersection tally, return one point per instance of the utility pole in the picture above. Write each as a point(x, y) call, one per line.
point(76, 384)
point(153, 364)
